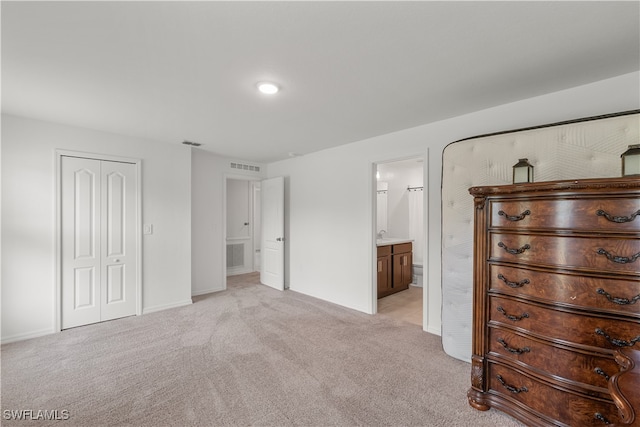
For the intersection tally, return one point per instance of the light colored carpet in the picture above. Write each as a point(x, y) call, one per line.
point(248, 356)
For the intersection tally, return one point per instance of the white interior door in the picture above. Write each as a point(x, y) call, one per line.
point(80, 180)
point(272, 242)
point(118, 217)
point(98, 214)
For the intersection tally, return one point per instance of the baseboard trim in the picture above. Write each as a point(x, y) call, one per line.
point(207, 291)
point(27, 336)
point(155, 308)
point(237, 272)
point(433, 331)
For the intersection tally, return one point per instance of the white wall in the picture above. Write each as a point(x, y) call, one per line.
point(330, 193)
point(399, 176)
point(28, 219)
point(209, 173)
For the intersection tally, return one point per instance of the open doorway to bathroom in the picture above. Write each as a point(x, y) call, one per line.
point(400, 239)
point(242, 226)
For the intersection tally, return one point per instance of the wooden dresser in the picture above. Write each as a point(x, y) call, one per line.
point(625, 386)
point(556, 293)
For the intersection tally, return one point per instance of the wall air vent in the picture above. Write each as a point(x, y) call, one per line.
point(235, 255)
point(245, 167)
point(193, 144)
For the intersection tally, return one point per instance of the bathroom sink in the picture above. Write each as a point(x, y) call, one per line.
point(392, 241)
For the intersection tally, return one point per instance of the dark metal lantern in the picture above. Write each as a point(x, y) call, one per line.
point(631, 161)
point(522, 171)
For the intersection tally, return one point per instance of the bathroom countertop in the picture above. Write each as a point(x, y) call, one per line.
point(392, 241)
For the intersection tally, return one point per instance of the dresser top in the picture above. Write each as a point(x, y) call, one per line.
point(595, 185)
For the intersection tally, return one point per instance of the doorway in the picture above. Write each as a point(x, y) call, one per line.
point(97, 239)
point(400, 224)
point(243, 227)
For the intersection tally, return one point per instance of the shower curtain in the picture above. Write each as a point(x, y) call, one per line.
point(416, 224)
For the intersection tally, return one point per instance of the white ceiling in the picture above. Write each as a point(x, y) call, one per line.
point(171, 71)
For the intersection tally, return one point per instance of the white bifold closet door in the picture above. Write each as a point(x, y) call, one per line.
point(98, 214)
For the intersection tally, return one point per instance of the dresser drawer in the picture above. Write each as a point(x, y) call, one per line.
point(587, 370)
point(564, 406)
point(615, 214)
point(603, 294)
point(563, 326)
point(595, 253)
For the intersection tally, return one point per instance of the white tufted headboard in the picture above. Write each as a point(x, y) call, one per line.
point(588, 148)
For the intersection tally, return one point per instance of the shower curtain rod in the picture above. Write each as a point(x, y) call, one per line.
point(415, 188)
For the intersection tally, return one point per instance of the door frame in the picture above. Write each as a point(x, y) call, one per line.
point(225, 177)
point(425, 250)
point(59, 153)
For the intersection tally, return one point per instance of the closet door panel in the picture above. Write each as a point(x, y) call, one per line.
point(80, 238)
point(118, 264)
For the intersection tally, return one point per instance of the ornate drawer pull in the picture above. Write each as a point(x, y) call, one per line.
point(598, 416)
point(599, 371)
point(512, 317)
point(513, 350)
point(511, 388)
point(618, 219)
point(518, 251)
point(618, 342)
point(516, 284)
point(618, 259)
point(516, 217)
point(616, 300)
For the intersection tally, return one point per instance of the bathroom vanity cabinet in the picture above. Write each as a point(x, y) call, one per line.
point(384, 271)
point(394, 268)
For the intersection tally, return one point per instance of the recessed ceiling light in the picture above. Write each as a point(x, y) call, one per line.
point(268, 88)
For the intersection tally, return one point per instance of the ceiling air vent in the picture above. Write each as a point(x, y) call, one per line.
point(193, 144)
point(245, 167)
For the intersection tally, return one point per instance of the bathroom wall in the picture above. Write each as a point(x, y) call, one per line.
point(399, 175)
